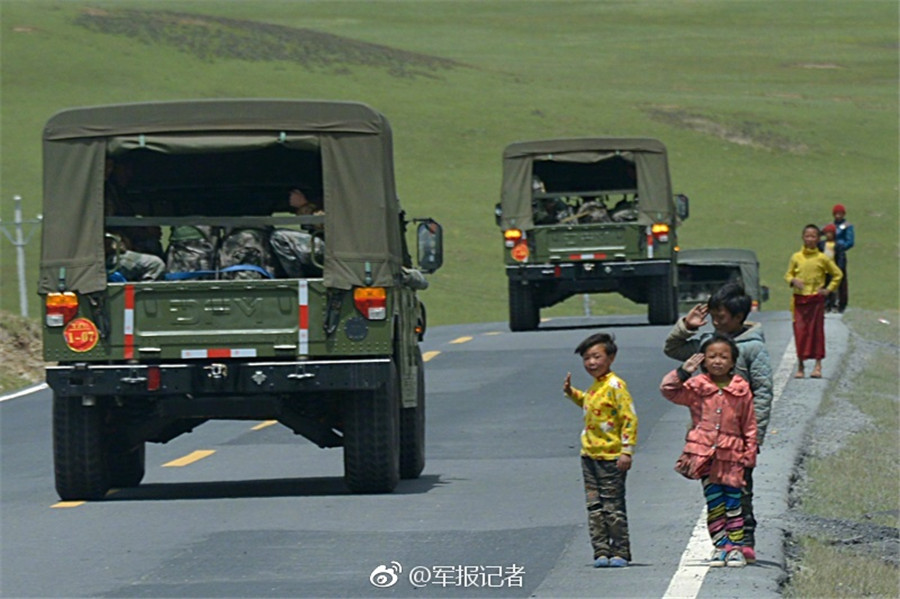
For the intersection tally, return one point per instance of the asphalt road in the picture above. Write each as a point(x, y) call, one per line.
point(498, 511)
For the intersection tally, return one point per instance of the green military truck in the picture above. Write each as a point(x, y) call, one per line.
point(334, 356)
point(589, 215)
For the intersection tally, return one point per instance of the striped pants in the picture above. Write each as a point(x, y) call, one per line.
point(724, 517)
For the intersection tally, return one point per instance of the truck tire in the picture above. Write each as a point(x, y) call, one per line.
point(80, 460)
point(412, 428)
point(662, 302)
point(126, 467)
point(524, 314)
point(372, 438)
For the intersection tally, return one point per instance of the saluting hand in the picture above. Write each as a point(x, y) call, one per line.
point(567, 384)
point(696, 318)
point(693, 363)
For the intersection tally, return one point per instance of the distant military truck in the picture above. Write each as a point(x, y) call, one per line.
point(702, 271)
point(589, 215)
point(327, 345)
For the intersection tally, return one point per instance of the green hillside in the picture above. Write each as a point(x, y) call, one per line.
point(772, 111)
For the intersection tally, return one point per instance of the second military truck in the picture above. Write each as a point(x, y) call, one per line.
point(589, 215)
point(320, 332)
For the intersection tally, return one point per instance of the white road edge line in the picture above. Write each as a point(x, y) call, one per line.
point(692, 568)
point(25, 391)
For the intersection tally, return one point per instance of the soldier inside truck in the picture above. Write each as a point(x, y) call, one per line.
point(248, 183)
point(582, 193)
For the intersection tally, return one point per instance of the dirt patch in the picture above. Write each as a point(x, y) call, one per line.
point(817, 65)
point(211, 38)
point(21, 359)
point(746, 133)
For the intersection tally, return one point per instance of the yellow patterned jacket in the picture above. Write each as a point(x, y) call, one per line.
point(610, 424)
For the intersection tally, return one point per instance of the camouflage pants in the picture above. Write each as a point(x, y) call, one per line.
point(747, 508)
point(136, 266)
point(604, 491)
point(298, 252)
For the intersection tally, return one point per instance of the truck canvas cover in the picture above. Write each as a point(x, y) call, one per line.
point(354, 141)
point(648, 155)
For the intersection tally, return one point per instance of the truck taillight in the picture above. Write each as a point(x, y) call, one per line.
point(660, 232)
point(511, 236)
point(371, 302)
point(60, 308)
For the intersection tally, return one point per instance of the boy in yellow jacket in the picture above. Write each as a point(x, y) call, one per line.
point(607, 446)
point(806, 274)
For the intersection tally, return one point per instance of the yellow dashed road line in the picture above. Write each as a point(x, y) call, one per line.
point(66, 504)
point(461, 340)
point(264, 424)
point(429, 354)
point(190, 458)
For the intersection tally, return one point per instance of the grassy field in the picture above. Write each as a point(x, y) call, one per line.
point(772, 111)
point(852, 484)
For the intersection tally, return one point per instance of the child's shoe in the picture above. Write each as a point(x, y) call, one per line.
point(618, 562)
point(735, 558)
point(601, 562)
point(749, 554)
point(717, 559)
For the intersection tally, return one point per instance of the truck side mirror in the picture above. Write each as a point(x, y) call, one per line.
point(682, 206)
point(430, 236)
point(498, 214)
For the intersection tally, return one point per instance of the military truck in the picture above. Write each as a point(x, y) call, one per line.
point(702, 271)
point(333, 356)
point(589, 215)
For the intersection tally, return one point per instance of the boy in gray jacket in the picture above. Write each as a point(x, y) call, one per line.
point(729, 307)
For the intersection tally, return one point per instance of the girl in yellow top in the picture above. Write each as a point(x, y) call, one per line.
point(607, 444)
point(806, 274)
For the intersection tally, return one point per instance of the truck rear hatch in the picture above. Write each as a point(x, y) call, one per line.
point(215, 319)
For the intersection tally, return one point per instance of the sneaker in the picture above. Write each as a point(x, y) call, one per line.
point(735, 558)
point(717, 559)
point(618, 562)
point(749, 554)
point(601, 562)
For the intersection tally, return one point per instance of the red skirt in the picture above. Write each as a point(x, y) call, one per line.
point(809, 326)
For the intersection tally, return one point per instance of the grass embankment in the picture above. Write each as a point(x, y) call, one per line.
point(852, 484)
point(772, 111)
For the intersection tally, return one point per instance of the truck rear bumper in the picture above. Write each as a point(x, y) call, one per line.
point(217, 379)
point(588, 271)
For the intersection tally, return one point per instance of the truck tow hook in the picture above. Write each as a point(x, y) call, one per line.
point(216, 371)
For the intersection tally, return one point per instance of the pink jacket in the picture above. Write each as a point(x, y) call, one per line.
point(723, 424)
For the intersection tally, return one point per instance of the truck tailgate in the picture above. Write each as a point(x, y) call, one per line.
point(595, 242)
point(216, 319)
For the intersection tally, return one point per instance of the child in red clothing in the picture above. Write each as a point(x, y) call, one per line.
point(721, 442)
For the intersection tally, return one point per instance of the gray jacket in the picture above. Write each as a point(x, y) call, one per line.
point(753, 363)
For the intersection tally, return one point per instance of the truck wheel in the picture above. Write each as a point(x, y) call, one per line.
point(662, 300)
point(372, 438)
point(127, 467)
point(524, 313)
point(79, 450)
point(412, 428)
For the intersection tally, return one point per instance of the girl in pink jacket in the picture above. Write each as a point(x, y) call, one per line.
point(721, 441)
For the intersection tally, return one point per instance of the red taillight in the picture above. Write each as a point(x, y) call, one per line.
point(371, 302)
point(660, 232)
point(60, 308)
